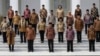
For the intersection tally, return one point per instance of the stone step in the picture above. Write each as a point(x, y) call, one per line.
point(46, 49)
point(55, 46)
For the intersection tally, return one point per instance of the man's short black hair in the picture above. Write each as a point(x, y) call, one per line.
point(51, 10)
point(16, 11)
point(4, 17)
point(78, 5)
point(93, 3)
point(33, 9)
point(26, 5)
point(50, 23)
point(43, 5)
point(78, 15)
point(22, 16)
point(87, 10)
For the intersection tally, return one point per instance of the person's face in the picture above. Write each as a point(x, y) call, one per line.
point(87, 12)
point(16, 13)
point(4, 20)
point(26, 7)
point(10, 27)
point(33, 11)
point(91, 26)
point(30, 26)
point(50, 25)
point(97, 18)
point(10, 8)
point(60, 7)
point(93, 5)
point(41, 20)
point(51, 13)
point(60, 20)
point(78, 7)
point(43, 7)
point(70, 27)
point(22, 18)
point(78, 17)
point(69, 13)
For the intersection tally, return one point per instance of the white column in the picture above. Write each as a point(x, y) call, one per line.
point(14, 4)
point(1, 7)
point(46, 3)
point(73, 5)
point(99, 7)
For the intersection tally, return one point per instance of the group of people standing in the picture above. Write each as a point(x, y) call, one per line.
point(26, 26)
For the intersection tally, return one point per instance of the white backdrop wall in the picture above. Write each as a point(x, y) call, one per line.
point(33, 4)
point(87, 4)
point(0, 7)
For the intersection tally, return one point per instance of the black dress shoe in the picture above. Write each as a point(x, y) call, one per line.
point(21, 42)
point(12, 50)
point(32, 50)
point(72, 51)
point(24, 41)
point(29, 51)
point(42, 41)
point(9, 50)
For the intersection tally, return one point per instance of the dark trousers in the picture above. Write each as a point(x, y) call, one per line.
point(94, 19)
point(11, 47)
point(44, 19)
point(16, 29)
point(4, 37)
point(30, 46)
point(34, 26)
point(0, 33)
point(10, 22)
point(42, 36)
point(53, 25)
point(97, 36)
point(70, 45)
point(60, 36)
point(51, 45)
point(27, 20)
point(22, 37)
point(91, 45)
point(79, 37)
point(86, 27)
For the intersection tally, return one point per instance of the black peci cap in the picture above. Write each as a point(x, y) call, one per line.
point(26, 5)
point(78, 5)
point(33, 9)
point(93, 3)
point(4, 17)
point(87, 10)
point(51, 10)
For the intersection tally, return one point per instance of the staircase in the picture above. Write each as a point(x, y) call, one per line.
point(41, 49)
